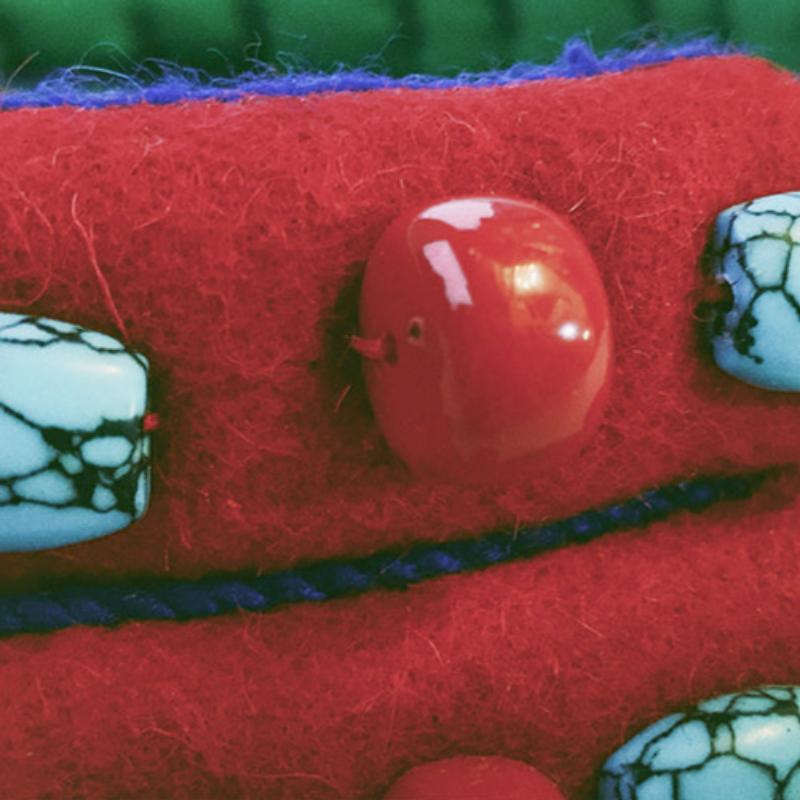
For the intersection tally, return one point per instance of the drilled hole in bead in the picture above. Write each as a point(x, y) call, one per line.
point(720, 294)
point(713, 301)
point(416, 331)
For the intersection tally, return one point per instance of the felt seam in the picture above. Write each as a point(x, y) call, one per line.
point(328, 580)
point(160, 82)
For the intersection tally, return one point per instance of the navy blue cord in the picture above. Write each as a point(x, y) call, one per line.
point(183, 600)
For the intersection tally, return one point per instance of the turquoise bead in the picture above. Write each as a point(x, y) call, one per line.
point(756, 337)
point(743, 746)
point(74, 457)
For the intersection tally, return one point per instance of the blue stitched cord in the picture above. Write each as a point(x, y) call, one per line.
point(183, 600)
point(160, 82)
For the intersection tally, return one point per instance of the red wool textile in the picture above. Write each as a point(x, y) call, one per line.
point(555, 662)
point(231, 237)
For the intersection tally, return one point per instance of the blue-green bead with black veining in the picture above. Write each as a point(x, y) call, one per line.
point(756, 251)
point(742, 746)
point(74, 456)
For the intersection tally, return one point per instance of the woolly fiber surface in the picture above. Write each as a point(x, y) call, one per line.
point(232, 237)
point(555, 661)
point(161, 82)
point(174, 599)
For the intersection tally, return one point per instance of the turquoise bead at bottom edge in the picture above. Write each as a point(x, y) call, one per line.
point(743, 746)
point(74, 457)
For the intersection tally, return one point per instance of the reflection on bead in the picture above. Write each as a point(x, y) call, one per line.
point(486, 333)
point(756, 336)
point(743, 746)
point(74, 459)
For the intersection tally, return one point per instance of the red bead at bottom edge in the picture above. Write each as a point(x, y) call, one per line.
point(474, 778)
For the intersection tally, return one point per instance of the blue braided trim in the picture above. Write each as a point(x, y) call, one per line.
point(183, 600)
point(160, 82)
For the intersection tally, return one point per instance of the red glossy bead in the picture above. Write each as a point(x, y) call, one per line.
point(474, 778)
point(495, 336)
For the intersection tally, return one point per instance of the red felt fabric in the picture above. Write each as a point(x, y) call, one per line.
point(232, 236)
point(555, 662)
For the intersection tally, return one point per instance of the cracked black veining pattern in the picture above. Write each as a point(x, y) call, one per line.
point(743, 746)
point(69, 471)
point(741, 323)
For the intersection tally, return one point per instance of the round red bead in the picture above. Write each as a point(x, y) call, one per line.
point(474, 778)
point(495, 338)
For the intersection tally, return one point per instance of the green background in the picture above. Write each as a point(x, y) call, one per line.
point(397, 36)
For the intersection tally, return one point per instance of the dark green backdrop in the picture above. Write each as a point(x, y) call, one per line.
point(401, 36)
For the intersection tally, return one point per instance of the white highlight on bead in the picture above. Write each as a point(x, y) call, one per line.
point(569, 331)
point(444, 262)
point(46, 390)
point(464, 215)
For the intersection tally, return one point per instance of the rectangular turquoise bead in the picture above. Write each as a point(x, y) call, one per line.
point(74, 456)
